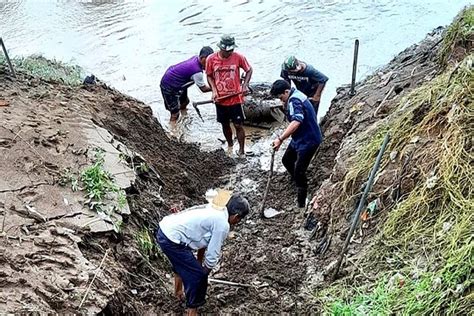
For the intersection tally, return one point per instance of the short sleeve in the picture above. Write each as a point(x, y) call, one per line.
point(243, 63)
point(295, 109)
point(209, 66)
point(317, 76)
point(198, 79)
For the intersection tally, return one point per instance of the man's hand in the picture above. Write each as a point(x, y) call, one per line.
point(245, 89)
point(277, 143)
point(214, 95)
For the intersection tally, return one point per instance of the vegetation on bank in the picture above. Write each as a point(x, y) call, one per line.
point(46, 69)
point(103, 195)
point(422, 258)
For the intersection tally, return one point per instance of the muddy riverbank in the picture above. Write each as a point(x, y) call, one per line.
point(64, 250)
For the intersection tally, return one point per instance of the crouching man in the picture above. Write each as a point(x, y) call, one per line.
point(203, 228)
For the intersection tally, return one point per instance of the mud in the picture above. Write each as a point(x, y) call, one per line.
point(47, 127)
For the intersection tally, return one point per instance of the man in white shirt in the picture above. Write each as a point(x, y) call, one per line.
point(203, 228)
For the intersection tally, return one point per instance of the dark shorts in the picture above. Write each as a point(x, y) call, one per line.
point(174, 99)
point(230, 113)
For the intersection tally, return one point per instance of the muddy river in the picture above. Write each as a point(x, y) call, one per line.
point(129, 44)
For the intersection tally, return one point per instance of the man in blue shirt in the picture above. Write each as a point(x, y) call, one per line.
point(305, 135)
point(306, 79)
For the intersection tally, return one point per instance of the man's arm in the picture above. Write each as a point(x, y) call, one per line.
point(287, 133)
point(319, 91)
point(210, 78)
point(198, 78)
point(296, 118)
point(213, 252)
point(247, 77)
point(320, 79)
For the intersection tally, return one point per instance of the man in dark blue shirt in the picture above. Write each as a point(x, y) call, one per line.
point(304, 131)
point(306, 79)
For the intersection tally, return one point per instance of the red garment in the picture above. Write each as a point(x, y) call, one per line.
point(226, 74)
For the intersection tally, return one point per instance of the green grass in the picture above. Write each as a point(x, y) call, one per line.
point(98, 183)
point(99, 187)
point(431, 229)
point(40, 67)
point(146, 244)
point(457, 33)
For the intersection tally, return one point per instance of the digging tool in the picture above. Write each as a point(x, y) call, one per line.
point(227, 282)
point(368, 186)
point(198, 111)
point(262, 214)
point(195, 104)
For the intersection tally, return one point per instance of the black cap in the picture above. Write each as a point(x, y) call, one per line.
point(205, 51)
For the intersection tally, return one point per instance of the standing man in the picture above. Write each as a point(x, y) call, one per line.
point(306, 79)
point(177, 78)
point(223, 75)
point(203, 228)
point(305, 135)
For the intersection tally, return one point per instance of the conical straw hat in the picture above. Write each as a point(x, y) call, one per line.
point(221, 199)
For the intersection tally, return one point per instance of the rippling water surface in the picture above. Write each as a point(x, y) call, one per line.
point(129, 44)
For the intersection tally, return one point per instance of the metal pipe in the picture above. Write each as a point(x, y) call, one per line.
point(354, 66)
point(8, 58)
point(368, 186)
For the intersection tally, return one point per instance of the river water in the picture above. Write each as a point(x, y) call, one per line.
point(129, 44)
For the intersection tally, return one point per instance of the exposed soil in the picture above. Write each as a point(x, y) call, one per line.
point(44, 131)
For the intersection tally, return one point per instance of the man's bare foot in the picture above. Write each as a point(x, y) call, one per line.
point(174, 117)
point(180, 296)
point(192, 312)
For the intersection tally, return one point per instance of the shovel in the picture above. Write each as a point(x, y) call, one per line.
point(262, 213)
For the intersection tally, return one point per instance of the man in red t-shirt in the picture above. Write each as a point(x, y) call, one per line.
point(223, 75)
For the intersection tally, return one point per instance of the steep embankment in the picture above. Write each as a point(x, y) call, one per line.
point(413, 252)
point(69, 154)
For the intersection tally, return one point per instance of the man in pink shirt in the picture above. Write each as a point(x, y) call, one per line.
point(223, 75)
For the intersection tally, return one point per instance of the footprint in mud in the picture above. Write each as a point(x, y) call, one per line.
point(6, 142)
point(29, 196)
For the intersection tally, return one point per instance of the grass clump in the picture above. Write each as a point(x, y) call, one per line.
point(426, 240)
point(146, 243)
point(39, 66)
point(103, 194)
point(458, 33)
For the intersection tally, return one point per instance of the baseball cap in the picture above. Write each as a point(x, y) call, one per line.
point(290, 63)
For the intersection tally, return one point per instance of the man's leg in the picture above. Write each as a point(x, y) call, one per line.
point(178, 287)
point(188, 268)
point(170, 99)
point(237, 116)
point(183, 100)
point(240, 131)
point(227, 130)
point(222, 113)
point(302, 163)
point(288, 160)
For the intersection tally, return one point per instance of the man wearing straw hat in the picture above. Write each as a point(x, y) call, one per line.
point(203, 228)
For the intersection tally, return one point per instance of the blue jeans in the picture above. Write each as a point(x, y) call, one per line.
point(187, 267)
